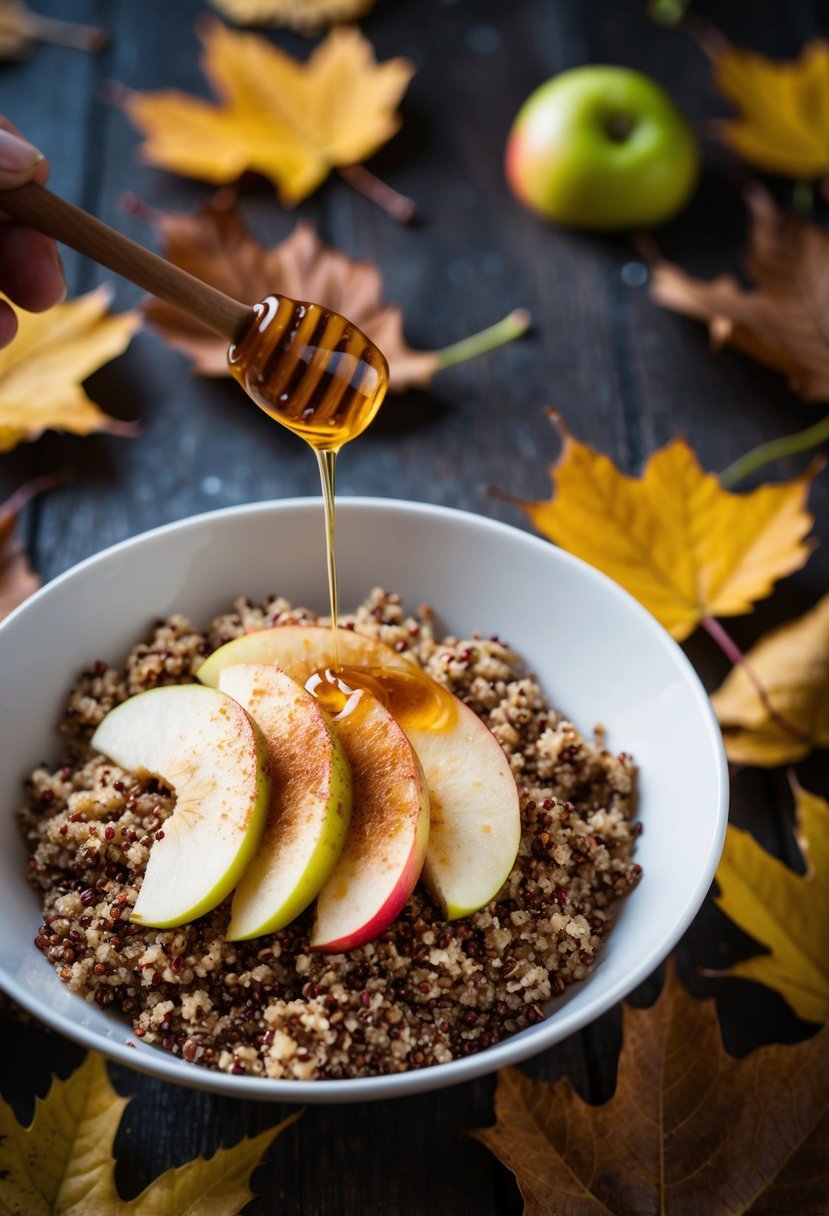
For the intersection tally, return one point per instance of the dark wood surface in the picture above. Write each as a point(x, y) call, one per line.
point(625, 374)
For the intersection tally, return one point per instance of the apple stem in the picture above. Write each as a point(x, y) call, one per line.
point(395, 204)
point(506, 330)
point(734, 655)
point(775, 449)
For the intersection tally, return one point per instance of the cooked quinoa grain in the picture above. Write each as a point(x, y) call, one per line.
point(426, 991)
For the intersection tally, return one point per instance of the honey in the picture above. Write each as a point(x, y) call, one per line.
point(414, 700)
point(322, 378)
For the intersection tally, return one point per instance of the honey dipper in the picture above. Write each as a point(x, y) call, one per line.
point(305, 365)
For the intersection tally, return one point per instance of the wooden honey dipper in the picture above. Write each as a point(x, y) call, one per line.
point(304, 365)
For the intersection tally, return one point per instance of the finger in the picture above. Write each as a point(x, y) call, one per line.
point(8, 323)
point(30, 268)
point(19, 160)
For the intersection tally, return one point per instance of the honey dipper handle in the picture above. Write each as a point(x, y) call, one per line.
point(40, 209)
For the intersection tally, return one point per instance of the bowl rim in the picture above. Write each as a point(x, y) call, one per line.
point(511, 1051)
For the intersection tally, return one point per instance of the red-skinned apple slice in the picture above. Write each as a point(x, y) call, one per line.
point(386, 842)
point(476, 826)
point(310, 800)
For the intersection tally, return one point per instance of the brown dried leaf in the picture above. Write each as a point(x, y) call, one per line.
point(689, 1129)
point(306, 16)
point(17, 579)
point(215, 245)
point(783, 321)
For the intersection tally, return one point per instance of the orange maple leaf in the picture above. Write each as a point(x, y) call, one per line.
point(292, 122)
point(674, 538)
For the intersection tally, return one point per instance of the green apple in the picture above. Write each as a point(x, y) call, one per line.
point(203, 745)
point(299, 650)
point(602, 148)
point(386, 842)
point(310, 800)
point(475, 819)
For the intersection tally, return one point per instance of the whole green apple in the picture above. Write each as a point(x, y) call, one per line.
point(602, 147)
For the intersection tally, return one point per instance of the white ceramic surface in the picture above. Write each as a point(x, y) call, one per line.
point(599, 655)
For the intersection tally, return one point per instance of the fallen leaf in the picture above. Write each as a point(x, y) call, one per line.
point(783, 107)
point(215, 245)
point(62, 1164)
point(306, 16)
point(674, 538)
point(688, 1130)
point(783, 321)
point(21, 30)
point(792, 664)
point(783, 911)
point(292, 122)
point(17, 579)
point(42, 368)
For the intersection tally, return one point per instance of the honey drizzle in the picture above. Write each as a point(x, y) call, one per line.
point(413, 698)
point(320, 376)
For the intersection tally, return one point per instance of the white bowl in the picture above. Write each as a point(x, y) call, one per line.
point(600, 658)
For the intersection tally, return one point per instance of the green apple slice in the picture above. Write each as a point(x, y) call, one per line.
point(476, 826)
point(310, 800)
point(203, 745)
point(299, 650)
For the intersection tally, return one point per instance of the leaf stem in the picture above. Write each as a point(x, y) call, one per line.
point(734, 655)
point(775, 449)
point(506, 330)
point(66, 33)
point(18, 500)
point(395, 204)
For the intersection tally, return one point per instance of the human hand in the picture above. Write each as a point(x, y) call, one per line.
point(30, 268)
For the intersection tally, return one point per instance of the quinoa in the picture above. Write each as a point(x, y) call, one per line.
point(425, 992)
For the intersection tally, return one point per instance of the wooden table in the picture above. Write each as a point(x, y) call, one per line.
point(626, 375)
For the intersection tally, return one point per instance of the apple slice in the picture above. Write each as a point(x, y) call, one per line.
point(386, 842)
point(476, 824)
point(310, 800)
point(205, 747)
point(298, 650)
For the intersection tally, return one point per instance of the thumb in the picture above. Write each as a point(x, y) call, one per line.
point(18, 160)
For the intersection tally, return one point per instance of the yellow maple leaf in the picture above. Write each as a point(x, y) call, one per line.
point(307, 16)
point(783, 121)
point(62, 1164)
point(42, 368)
point(292, 122)
point(674, 538)
point(783, 911)
point(792, 664)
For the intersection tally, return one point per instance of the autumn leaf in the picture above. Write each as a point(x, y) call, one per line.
point(215, 245)
point(783, 911)
point(42, 368)
point(21, 30)
point(674, 538)
point(17, 579)
point(792, 664)
point(783, 320)
point(306, 16)
point(782, 124)
point(688, 1130)
point(292, 122)
point(62, 1164)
